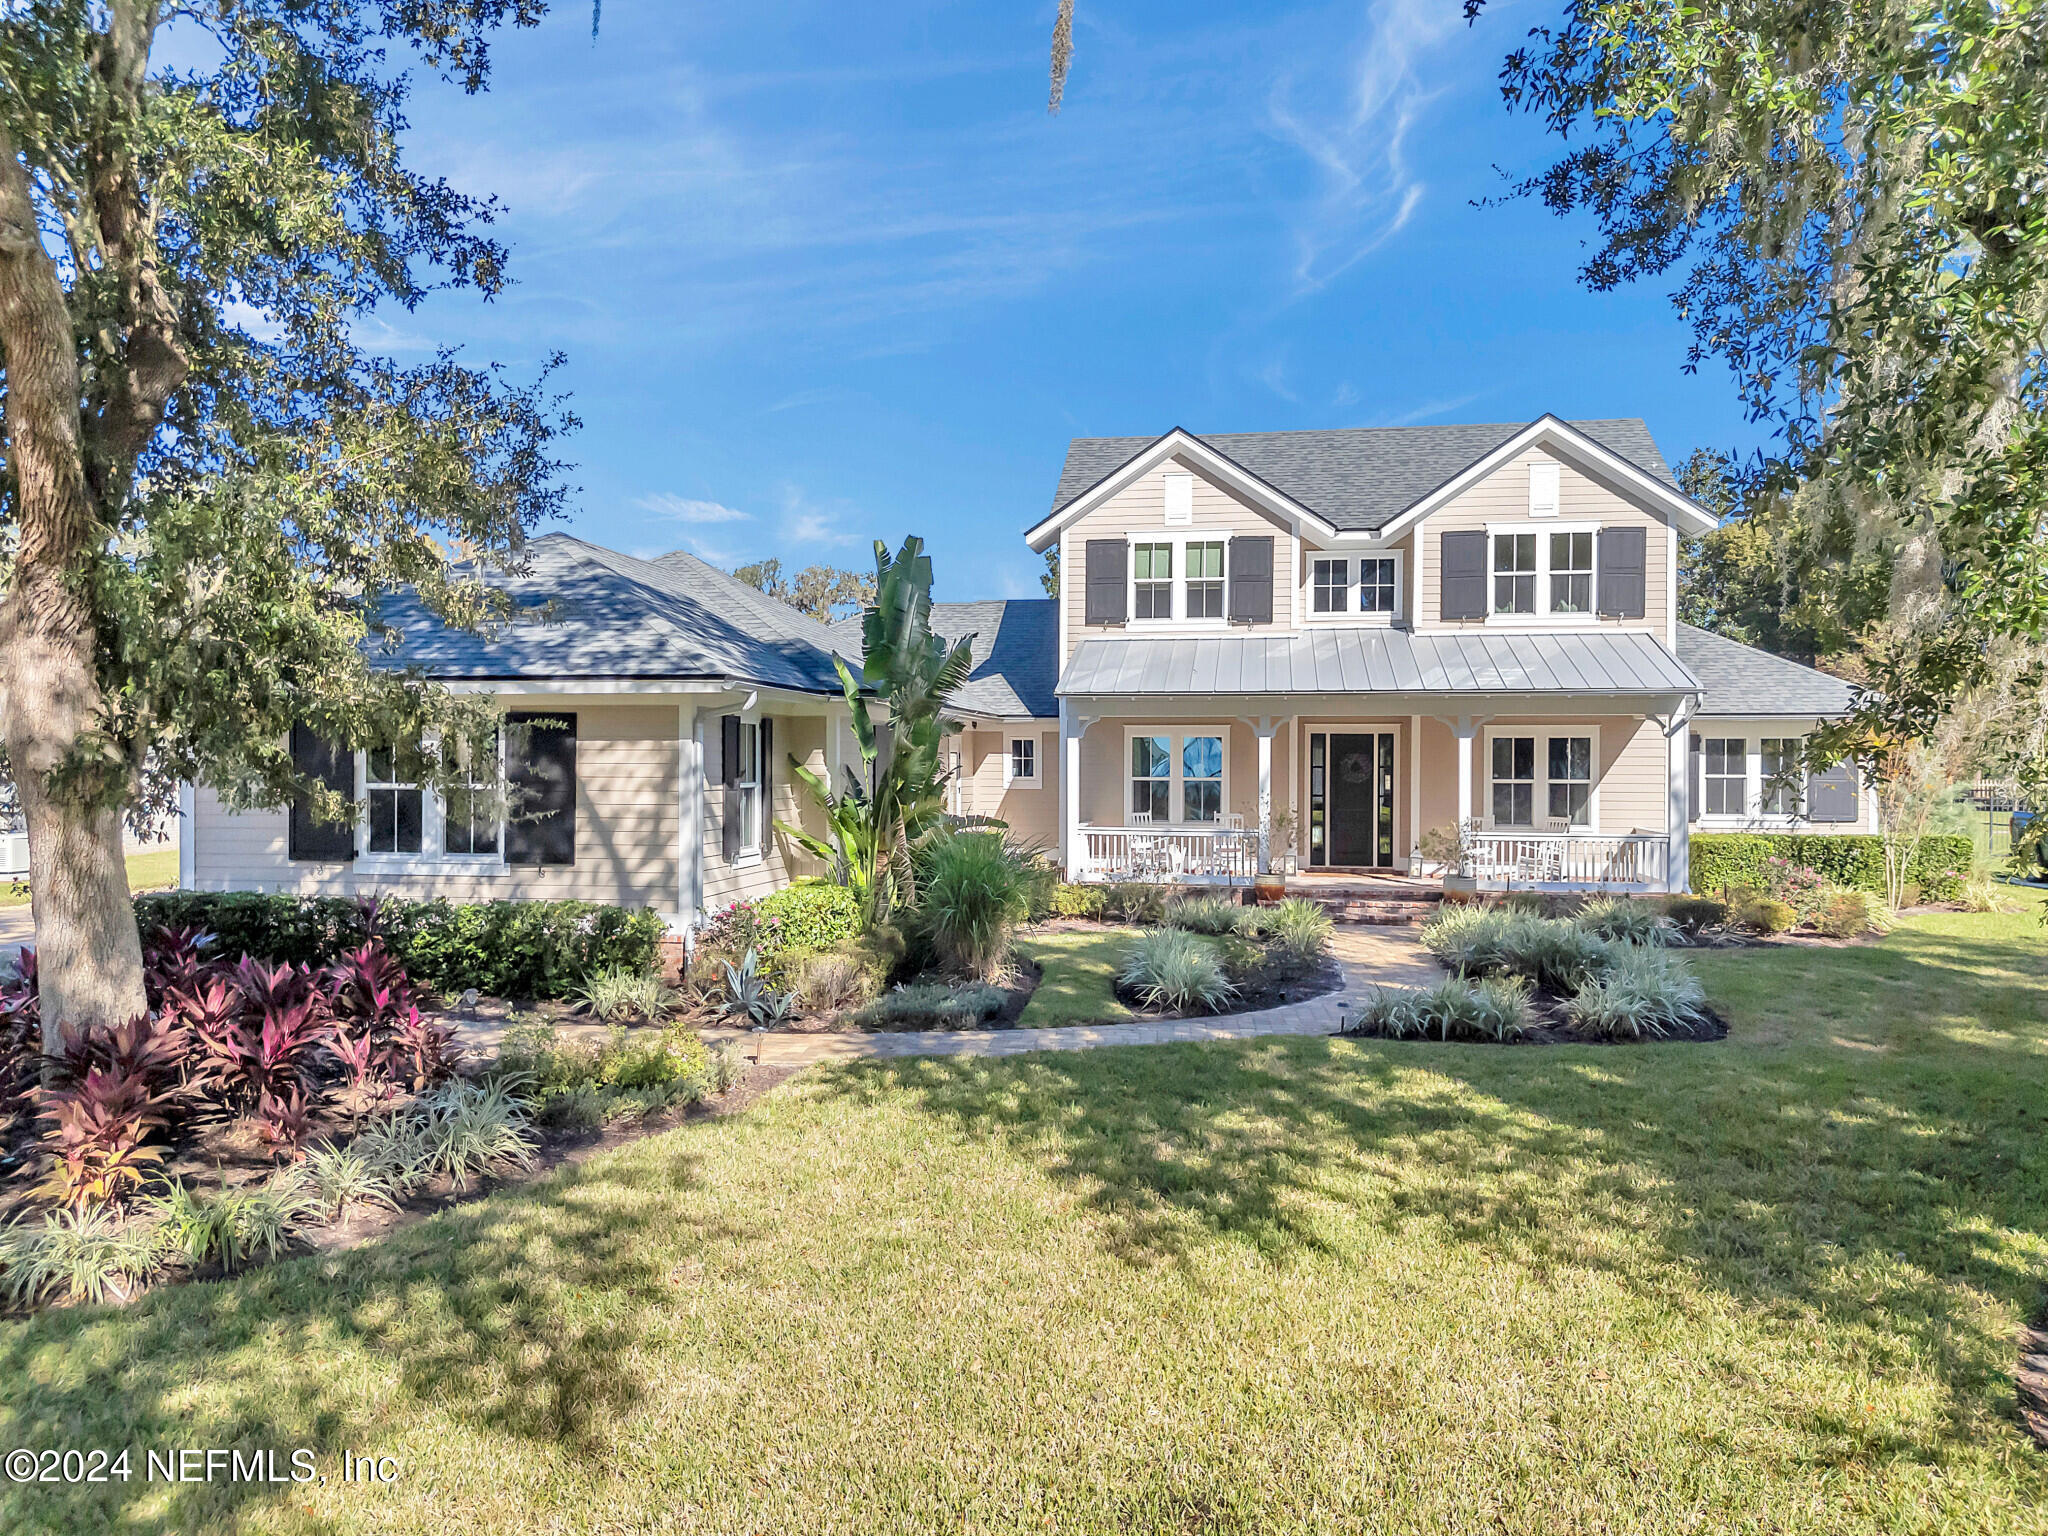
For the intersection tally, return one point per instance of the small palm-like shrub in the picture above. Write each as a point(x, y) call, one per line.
point(1205, 914)
point(96, 1135)
point(1622, 921)
point(472, 1129)
point(1642, 992)
point(973, 893)
point(1491, 1008)
point(1172, 968)
point(1299, 926)
point(77, 1255)
point(933, 1005)
point(617, 993)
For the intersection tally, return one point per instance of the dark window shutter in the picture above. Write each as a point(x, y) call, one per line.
point(1831, 796)
point(1251, 580)
point(767, 781)
point(1692, 781)
point(540, 777)
point(333, 765)
point(729, 776)
point(1106, 571)
point(1461, 572)
point(1623, 572)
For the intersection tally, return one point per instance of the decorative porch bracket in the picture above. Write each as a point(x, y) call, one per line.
point(1265, 727)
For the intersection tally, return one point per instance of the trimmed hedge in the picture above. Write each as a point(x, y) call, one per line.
point(503, 948)
point(1940, 866)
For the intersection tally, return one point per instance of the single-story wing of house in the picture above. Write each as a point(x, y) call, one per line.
point(1285, 650)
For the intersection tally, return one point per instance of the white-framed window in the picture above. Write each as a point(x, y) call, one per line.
point(1724, 768)
point(1570, 767)
point(1152, 581)
point(472, 817)
point(748, 784)
point(1332, 586)
point(1205, 579)
point(1782, 779)
point(1180, 777)
point(1020, 767)
point(1514, 572)
point(1201, 778)
point(1151, 777)
point(1377, 584)
point(1543, 780)
point(1514, 781)
point(1571, 571)
point(394, 808)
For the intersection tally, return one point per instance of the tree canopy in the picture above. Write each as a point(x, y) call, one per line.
point(821, 591)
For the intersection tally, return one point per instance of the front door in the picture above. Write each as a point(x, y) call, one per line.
point(1351, 795)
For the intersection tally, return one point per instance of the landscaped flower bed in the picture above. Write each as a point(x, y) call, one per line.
point(1604, 974)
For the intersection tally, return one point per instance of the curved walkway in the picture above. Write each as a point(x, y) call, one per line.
point(1369, 957)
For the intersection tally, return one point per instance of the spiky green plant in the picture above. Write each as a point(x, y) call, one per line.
point(1641, 993)
point(1172, 968)
point(1299, 926)
point(79, 1255)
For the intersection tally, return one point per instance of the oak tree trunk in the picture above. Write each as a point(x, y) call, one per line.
point(89, 957)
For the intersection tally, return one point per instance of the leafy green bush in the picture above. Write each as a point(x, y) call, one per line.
point(973, 893)
point(1205, 914)
point(933, 1005)
point(1133, 901)
point(1173, 968)
point(568, 1082)
point(1643, 992)
point(1079, 900)
point(1622, 920)
point(1695, 915)
point(1041, 884)
point(811, 914)
point(1847, 914)
point(1490, 1008)
point(1758, 913)
point(1299, 926)
point(1727, 860)
point(503, 948)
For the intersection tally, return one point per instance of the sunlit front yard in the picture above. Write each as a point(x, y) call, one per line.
point(1765, 1284)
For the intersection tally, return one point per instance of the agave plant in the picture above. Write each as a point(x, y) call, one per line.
point(913, 672)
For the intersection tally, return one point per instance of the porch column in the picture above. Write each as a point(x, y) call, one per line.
point(1264, 728)
point(1465, 727)
point(1677, 817)
point(1072, 725)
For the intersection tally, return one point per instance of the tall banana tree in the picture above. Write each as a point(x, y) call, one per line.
point(900, 724)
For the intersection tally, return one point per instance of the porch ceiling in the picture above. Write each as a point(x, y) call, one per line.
point(1379, 661)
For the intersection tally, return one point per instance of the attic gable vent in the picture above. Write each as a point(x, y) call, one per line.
point(1542, 490)
point(1180, 500)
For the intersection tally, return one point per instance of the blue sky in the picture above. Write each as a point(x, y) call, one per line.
point(826, 272)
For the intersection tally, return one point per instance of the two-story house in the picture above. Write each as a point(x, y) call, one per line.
point(1282, 649)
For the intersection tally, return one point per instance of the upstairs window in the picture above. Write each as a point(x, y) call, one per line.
point(1571, 573)
point(1332, 585)
point(395, 805)
point(1205, 581)
point(1152, 581)
point(1376, 586)
point(1514, 573)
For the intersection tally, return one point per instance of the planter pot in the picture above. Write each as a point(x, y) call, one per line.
point(1267, 890)
point(1461, 887)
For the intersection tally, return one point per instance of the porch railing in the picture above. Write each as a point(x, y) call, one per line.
point(1637, 861)
point(1170, 854)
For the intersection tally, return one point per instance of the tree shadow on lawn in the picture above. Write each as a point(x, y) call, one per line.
point(516, 1315)
point(1901, 1193)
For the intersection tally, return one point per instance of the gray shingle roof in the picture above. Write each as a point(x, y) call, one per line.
point(1370, 660)
point(1016, 653)
point(1742, 680)
point(1355, 478)
point(601, 614)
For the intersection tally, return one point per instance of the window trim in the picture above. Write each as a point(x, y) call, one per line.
point(1543, 617)
point(1338, 589)
point(1751, 731)
point(1185, 583)
point(1540, 816)
point(1177, 737)
point(750, 720)
point(433, 854)
point(1011, 778)
point(1743, 778)
point(1353, 615)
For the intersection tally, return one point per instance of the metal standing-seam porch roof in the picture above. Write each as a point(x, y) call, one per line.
point(1361, 660)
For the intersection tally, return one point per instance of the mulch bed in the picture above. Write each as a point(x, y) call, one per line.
point(1553, 1027)
point(1278, 981)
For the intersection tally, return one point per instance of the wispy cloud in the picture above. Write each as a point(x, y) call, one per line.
point(1427, 409)
point(685, 509)
point(807, 522)
point(1359, 145)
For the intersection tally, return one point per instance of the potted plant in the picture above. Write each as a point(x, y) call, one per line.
point(1453, 847)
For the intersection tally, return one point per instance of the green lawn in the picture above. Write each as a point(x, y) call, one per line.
point(1765, 1285)
point(1078, 984)
point(146, 872)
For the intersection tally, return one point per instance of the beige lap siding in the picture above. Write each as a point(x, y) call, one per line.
point(1503, 498)
point(780, 860)
point(1632, 778)
point(1138, 514)
point(1033, 815)
point(1106, 767)
point(625, 829)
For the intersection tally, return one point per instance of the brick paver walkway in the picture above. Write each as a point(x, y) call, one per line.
point(1369, 957)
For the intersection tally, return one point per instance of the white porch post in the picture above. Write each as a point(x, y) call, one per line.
point(1677, 820)
point(1465, 727)
point(1071, 850)
point(1264, 728)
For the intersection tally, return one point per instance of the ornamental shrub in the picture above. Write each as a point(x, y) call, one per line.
point(1079, 900)
point(503, 948)
point(812, 914)
point(1724, 860)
